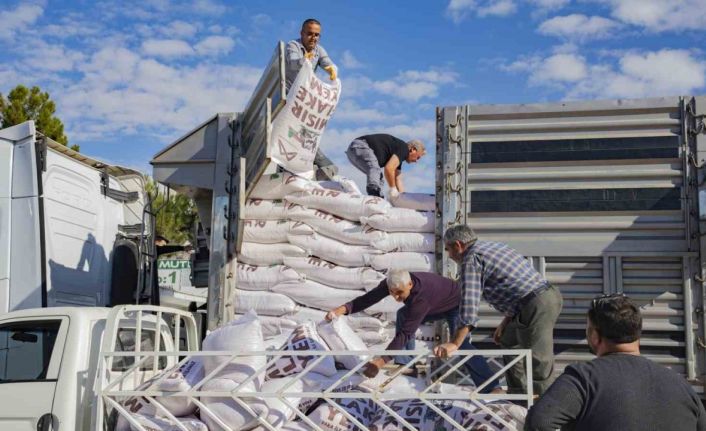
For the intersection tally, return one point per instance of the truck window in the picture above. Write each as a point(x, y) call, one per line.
point(26, 349)
point(126, 343)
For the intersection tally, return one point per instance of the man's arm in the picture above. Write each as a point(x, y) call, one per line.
point(560, 405)
point(398, 181)
point(369, 299)
point(293, 56)
point(390, 170)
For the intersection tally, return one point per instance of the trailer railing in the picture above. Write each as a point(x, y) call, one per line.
point(380, 392)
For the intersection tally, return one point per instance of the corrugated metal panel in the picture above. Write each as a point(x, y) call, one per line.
point(600, 194)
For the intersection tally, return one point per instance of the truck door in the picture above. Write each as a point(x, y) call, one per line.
point(30, 356)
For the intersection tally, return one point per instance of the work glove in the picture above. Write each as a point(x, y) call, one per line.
point(309, 55)
point(393, 194)
point(331, 72)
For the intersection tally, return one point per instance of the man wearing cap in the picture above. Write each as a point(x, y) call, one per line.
point(380, 158)
point(508, 282)
point(307, 48)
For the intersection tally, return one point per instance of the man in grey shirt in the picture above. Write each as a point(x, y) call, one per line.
point(620, 390)
point(298, 51)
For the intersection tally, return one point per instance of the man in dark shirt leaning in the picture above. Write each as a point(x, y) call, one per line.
point(620, 390)
point(380, 158)
point(427, 297)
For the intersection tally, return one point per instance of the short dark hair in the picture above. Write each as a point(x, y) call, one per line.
point(310, 21)
point(616, 318)
point(161, 238)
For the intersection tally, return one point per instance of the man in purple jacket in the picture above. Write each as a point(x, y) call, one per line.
point(427, 297)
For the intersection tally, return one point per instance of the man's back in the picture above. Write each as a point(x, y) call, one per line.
point(618, 392)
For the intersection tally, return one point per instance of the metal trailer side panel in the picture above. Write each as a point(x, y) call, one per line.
point(600, 196)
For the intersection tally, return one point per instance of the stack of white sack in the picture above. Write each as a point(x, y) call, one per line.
point(408, 242)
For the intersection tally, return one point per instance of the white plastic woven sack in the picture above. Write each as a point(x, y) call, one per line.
point(331, 274)
point(334, 226)
point(425, 418)
point(227, 409)
point(256, 254)
point(263, 209)
point(349, 206)
point(339, 336)
point(265, 303)
point(314, 382)
point(279, 412)
point(402, 220)
point(273, 231)
point(243, 335)
point(373, 338)
point(249, 277)
point(152, 423)
point(181, 379)
point(277, 186)
point(298, 127)
point(304, 337)
point(305, 314)
point(419, 262)
point(333, 251)
point(273, 326)
point(332, 419)
point(415, 201)
point(349, 186)
point(329, 185)
point(406, 241)
point(322, 297)
point(136, 406)
point(361, 322)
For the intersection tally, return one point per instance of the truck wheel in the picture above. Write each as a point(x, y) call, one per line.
point(124, 276)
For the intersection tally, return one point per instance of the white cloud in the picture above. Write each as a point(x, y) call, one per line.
point(121, 91)
point(349, 61)
point(166, 48)
point(52, 57)
point(208, 7)
point(458, 10)
point(179, 29)
point(349, 111)
point(579, 27)
point(261, 19)
point(548, 5)
point(661, 15)
point(497, 8)
point(215, 45)
point(411, 85)
point(18, 19)
point(625, 75)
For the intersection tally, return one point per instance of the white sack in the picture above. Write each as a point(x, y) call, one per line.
point(314, 382)
point(372, 338)
point(152, 423)
point(277, 186)
point(264, 209)
point(402, 220)
point(239, 335)
point(406, 241)
point(306, 314)
point(413, 262)
point(227, 409)
point(361, 322)
point(136, 406)
point(349, 186)
point(304, 337)
point(276, 342)
point(322, 297)
point(268, 254)
point(331, 274)
point(334, 226)
point(415, 201)
point(339, 336)
point(265, 303)
point(332, 419)
point(297, 129)
point(180, 379)
point(349, 206)
point(332, 250)
point(273, 231)
point(249, 277)
point(279, 412)
point(273, 326)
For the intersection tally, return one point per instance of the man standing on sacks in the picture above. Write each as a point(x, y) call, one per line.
point(508, 282)
point(380, 158)
point(307, 48)
point(427, 297)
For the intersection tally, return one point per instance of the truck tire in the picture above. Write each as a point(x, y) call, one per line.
point(124, 275)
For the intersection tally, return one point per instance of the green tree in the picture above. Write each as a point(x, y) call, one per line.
point(175, 216)
point(23, 104)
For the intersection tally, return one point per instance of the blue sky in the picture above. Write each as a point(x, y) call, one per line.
point(129, 77)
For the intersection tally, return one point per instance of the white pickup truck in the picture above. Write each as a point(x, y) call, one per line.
point(73, 368)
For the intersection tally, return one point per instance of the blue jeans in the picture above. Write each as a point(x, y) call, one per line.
point(477, 367)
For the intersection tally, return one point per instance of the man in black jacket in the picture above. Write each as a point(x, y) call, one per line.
point(620, 390)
